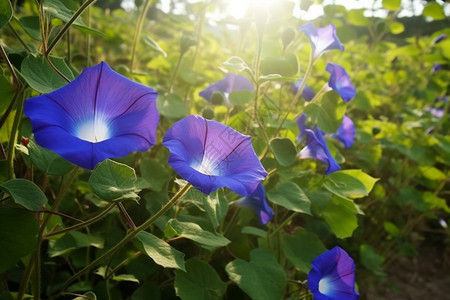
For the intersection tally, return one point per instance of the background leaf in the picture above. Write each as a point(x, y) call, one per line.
point(25, 193)
point(5, 12)
point(290, 196)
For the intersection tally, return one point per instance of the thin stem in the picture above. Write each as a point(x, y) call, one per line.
point(18, 37)
point(137, 34)
point(126, 216)
point(14, 137)
point(67, 26)
point(175, 73)
point(88, 38)
point(282, 225)
point(55, 69)
point(131, 234)
point(85, 223)
point(16, 80)
point(9, 109)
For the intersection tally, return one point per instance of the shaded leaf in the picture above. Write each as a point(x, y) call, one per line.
point(290, 196)
point(25, 193)
point(48, 161)
point(5, 12)
point(284, 151)
point(172, 106)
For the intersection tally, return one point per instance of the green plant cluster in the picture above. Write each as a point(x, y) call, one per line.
point(70, 233)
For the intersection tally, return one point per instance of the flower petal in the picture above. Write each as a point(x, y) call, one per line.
point(257, 202)
point(307, 93)
point(99, 115)
point(211, 155)
point(346, 132)
point(231, 82)
point(333, 276)
point(322, 39)
point(340, 82)
point(316, 148)
point(301, 123)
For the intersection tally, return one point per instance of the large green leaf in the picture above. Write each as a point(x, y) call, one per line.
point(392, 4)
point(241, 97)
point(199, 282)
point(18, 236)
point(114, 181)
point(348, 184)
point(327, 113)
point(154, 173)
point(434, 10)
point(41, 77)
point(284, 151)
point(290, 196)
point(284, 66)
point(25, 193)
point(5, 12)
point(300, 249)
point(31, 26)
point(48, 161)
point(194, 232)
point(236, 64)
point(74, 240)
point(262, 278)
point(172, 106)
point(340, 218)
point(161, 252)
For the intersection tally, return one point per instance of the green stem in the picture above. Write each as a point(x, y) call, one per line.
point(85, 223)
point(126, 216)
point(175, 73)
point(18, 37)
point(137, 34)
point(67, 26)
point(16, 80)
point(131, 234)
point(14, 136)
point(284, 224)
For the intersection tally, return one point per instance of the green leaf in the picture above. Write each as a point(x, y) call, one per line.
point(25, 193)
point(346, 185)
point(284, 151)
point(262, 278)
point(237, 64)
point(171, 106)
point(434, 10)
point(74, 240)
point(148, 290)
point(18, 236)
point(114, 181)
point(364, 178)
point(341, 220)
point(328, 113)
point(216, 206)
point(300, 249)
point(254, 231)
point(432, 173)
point(199, 282)
point(396, 27)
point(48, 161)
point(41, 77)
point(155, 174)
point(31, 26)
point(241, 97)
point(285, 66)
point(290, 196)
point(5, 12)
point(356, 17)
point(125, 277)
point(392, 4)
point(391, 228)
point(161, 252)
point(153, 45)
point(435, 202)
point(369, 258)
point(194, 232)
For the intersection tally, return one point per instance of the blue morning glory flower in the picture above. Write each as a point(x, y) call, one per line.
point(436, 67)
point(307, 93)
point(257, 202)
point(340, 82)
point(99, 115)
point(211, 155)
point(333, 276)
point(346, 132)
point(231, 82)
point(322, 39)
point(439, 38)
point(317, 148)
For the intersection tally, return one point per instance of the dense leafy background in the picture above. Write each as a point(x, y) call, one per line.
point(390, 199)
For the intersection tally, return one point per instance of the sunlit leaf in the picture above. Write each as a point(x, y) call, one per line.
point(434, 10)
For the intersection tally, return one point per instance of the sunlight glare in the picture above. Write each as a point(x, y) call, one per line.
point(238, 8)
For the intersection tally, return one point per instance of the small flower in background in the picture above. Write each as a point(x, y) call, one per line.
point(436, 67)
point(316, 148)
point(346, 132)
point(257, 202)
point(307, 93)
point(211, 155)
point(231, 82)
point(440, 38)
point(333, 276)
point(99, 115)
point(340, 82)
point(436, 112)
point(322, 39)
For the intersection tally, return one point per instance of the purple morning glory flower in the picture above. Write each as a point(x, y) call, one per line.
point(436, 112)
point(211, 155)
point(99, 115)
point(307, 93)
point(436, 67)
point(322, 39)
point(316, 148)
point(340, 82)
point(439, 38)
point(257, 202)
point(346, 132)
point(231, 82)
point(333, 276)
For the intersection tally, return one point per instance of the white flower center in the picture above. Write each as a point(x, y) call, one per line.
point(324, 286)
point(207, 166)
point(93, 130)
